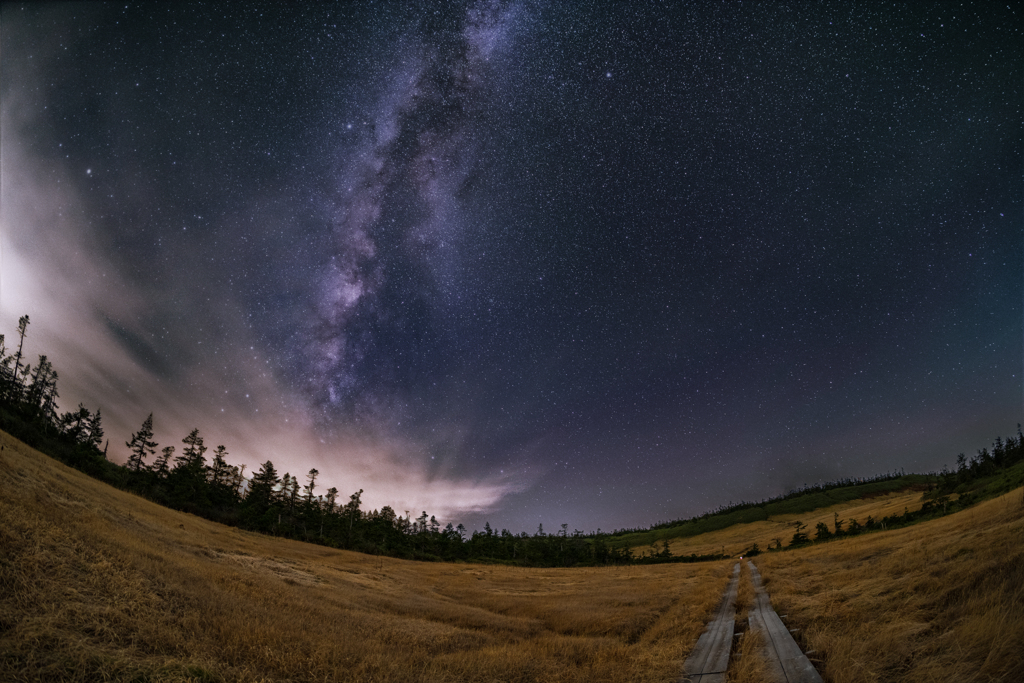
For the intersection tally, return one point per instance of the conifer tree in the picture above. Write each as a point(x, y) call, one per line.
point(161, 468)
point(332, 498)
point(192, 455)
point(220, 471)
point(190, 490)
point(308, 488)
point(141, 444)
point(352, 511)
point(22, 328)
point(95, 428)
point(261, 488)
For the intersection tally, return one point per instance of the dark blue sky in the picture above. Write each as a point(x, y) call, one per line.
point(525, 262)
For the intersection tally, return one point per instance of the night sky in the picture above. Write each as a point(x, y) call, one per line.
point(598, 264)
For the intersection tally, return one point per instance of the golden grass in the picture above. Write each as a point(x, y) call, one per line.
point(933, 602)
point(748, 664)
point(739, 537)
point(99, 584)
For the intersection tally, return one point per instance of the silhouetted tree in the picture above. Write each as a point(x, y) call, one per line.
point(308, 488)
point(261, 488)
point(23, 322)
point(192, 454)
point(95, 429)
point(189, 488)
point(141, 445)
point(352, 512)
point(220, 471)
point(161, 468)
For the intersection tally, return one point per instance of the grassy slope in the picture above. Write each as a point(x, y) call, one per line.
point(792, 508)
point(739, 537)
point(943, 600)
point(98, 584)
point(875, 500)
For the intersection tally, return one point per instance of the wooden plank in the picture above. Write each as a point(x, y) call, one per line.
point(787, 662)
point(710, 656)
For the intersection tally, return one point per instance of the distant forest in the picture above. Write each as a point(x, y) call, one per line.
point(194, 479)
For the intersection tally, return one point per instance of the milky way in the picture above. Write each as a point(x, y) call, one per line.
point(524, 262)
point(399, 219)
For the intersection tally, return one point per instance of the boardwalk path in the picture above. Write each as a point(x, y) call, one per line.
point(787, 663)
point(710, 656)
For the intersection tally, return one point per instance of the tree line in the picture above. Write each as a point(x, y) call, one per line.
point(194, 479)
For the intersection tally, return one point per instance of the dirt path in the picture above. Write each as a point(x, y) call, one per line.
point(785, 659)
point(710, 656)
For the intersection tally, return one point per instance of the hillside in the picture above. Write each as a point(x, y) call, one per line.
point(100, 584)
point(941, 600)
point(789, 507)
point(737, 538)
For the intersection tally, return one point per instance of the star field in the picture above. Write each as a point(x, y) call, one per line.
point(521, 261)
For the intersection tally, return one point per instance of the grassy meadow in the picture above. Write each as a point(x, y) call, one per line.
point(737, 538)
point(99, 584)
point(942, 600)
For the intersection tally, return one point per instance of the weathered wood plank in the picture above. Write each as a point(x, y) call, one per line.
point(788, 663)
point(710, 656)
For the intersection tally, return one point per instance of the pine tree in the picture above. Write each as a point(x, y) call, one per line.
point(285, 489)
point(189, 488)
point(141, 444)
point(261, 488)
point(352, 511)
point(161, 468)
point(42, 391)
point(308, 488)
point(192, 455)
point(76, 424)
point(95, 428)
point(22, 328)
point(220, 471)
point(332, 498)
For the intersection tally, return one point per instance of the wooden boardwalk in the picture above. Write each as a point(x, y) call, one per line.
point(785, 659)
point(710, 657)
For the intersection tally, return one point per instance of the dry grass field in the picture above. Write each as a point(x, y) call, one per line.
point(739, 537)
point(940, 601)
point(98, 584)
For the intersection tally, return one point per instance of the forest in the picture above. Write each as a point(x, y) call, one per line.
point(194, 478)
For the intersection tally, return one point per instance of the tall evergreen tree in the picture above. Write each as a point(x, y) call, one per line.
point(189, 488)
point(220, 471)
point(260, 496)
point(76, 424)
point(161, 468)
point(192, 455)
point(22, 328)
point(222, 475)
point(141, 445)
point(95, 428)
point(332, 499)
point(42, 388)
point(308, 488)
